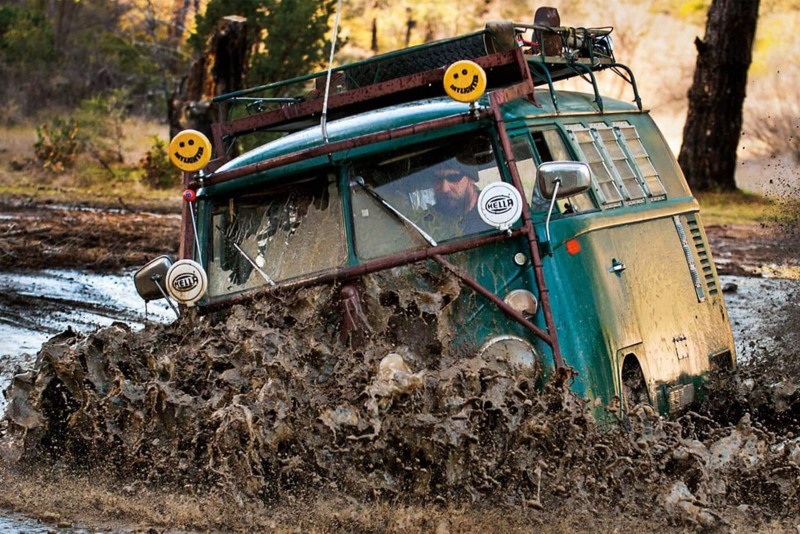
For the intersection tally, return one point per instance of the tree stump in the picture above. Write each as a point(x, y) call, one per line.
point(221, 69)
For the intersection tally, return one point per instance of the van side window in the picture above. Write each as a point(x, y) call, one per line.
point(551, 147)
point(623, 172)
point(602, 174)
point(631, 143)
point(621, 167)
point(526, 166)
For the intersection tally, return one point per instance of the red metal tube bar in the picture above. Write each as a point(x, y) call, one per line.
point(494, 299)
point(346, 273)
point(497, 99)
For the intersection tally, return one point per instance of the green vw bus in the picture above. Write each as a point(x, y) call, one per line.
point(605, 267)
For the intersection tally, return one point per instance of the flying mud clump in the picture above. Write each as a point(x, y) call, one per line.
point(269, 399)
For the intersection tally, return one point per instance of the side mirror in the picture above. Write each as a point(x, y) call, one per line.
point(560, 179)
point(150, 280)
point(563, 178)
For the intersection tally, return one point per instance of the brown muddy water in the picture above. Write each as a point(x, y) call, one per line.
point(263, 419)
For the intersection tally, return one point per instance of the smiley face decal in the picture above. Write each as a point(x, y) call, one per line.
point(465, 81)
point(190, 151)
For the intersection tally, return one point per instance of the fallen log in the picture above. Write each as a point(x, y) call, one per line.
point(35, 231)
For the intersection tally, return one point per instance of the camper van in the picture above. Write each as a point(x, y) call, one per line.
point(563, 215)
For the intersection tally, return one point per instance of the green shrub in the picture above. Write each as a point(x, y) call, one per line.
point(57, 145)
point(158, 171)
point(102, 118)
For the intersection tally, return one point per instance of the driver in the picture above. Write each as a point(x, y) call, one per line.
point(457, 197)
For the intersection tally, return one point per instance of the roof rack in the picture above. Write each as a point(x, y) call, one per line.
point(503, 49)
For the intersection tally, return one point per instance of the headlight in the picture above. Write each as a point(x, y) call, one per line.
point(512, 352)
point(522, 301)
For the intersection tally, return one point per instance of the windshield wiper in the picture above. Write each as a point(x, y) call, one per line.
point(266, 277)
point(405, 220)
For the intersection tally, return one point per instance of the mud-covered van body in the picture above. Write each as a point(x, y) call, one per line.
point(619, 284)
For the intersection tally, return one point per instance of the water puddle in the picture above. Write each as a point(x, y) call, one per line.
point(36, 305)
point(756, 308)
point(11, 523)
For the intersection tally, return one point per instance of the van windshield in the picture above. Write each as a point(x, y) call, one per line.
point(282, 233)
point(436, 186)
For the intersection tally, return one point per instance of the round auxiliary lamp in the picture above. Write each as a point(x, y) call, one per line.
point(465, 81)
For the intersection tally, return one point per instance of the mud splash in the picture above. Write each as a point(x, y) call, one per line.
point(269, 403)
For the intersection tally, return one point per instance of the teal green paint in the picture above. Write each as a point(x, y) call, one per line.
point(591, 313)
point(347, 206)
point(563, 228)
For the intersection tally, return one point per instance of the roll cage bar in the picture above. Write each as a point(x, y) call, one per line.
point(512, 74)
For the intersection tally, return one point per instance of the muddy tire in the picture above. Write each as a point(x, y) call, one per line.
point(422, 60)
point(634, 386)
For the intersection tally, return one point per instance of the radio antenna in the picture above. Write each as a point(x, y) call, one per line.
point(324, 120)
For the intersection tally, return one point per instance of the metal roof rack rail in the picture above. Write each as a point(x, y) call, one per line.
point(502, 49)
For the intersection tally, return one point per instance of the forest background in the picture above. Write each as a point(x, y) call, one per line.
point(85, 84)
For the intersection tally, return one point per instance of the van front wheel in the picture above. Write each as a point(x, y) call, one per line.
point(634, 386)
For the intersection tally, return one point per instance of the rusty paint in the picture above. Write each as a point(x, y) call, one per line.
point(382, 264)
point(219, 143)
point(496, 99)
point(354, 325)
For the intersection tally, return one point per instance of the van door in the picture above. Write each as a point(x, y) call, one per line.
point(603, 252)
point(613, 289)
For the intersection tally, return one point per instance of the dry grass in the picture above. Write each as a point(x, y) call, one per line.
point(735, 207)
point(16, 142)
point(89, 182)
point(744, 207)
point(139, 137)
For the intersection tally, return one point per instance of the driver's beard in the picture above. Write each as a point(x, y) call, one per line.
point(455, 205)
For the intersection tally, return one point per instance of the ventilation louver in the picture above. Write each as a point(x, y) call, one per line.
point(701, 247)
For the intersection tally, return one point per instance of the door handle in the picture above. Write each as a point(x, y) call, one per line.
point(617, 267)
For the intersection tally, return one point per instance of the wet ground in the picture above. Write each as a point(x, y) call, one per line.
point(37, 302)
point(36, 305)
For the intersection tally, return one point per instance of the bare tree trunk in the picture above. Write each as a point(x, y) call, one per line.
point(714, 122)
point(374, 45)
point(180, 8)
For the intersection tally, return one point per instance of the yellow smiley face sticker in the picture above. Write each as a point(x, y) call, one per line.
point(465, 81)
point(190, 151)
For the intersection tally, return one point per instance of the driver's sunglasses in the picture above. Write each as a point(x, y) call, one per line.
point(451, 175)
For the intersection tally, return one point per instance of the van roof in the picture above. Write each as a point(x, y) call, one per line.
point(408, 113)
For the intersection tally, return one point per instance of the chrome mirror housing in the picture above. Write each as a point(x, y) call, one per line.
point(150, 280)
point(563, 178)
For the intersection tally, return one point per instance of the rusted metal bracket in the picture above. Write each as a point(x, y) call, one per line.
point(186, 251)
point(497, 99)
point(526, 76)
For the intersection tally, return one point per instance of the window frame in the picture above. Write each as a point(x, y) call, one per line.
point(348, 167)
point(623, 142)
point(565, 139)
point(209, 206)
